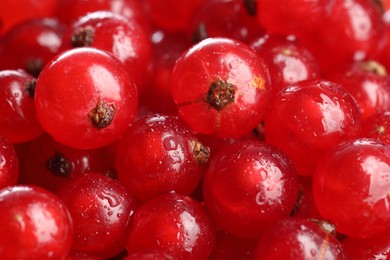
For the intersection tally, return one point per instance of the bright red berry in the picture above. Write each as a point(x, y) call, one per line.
point(351, 187)
point(35, 224)
point(221, 87)
point(85, 98)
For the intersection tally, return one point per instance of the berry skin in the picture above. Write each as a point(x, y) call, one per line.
point(174, 224)
point(85, 98)
point(18, 121)
point(159, 154)
point(377, 126)
point(114, 33)
point(35, 224)
point(221, 87)
point(101, 209)
point(308, 118)
point(298, 238)
point(9, 163)
point(351, 187)
point(249, 185)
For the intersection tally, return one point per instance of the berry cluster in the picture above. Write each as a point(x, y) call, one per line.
point(222, 129)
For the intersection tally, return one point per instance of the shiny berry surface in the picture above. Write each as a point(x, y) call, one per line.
point(31, 44)
point(249, 185)
point(308, 118)
point(159, 154)
point(101, 209)
point(299, 239)
point(9, 163)
point(175, 224)
point(221, 87)
point(56, 164)
point(18, 121)
point(85, 98)
point(35, 224)
point(372, 248)
point(350, 188)
point(377, 126)
point(287, 60)
point(114, 33)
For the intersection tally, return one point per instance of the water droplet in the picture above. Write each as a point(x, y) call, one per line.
point(170, 143)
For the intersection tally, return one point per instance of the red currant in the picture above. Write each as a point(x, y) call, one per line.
point(85, 98)
point(351, 187)
point(35, 224)
point(9, 163)
point(249, 185)
point(221, 87)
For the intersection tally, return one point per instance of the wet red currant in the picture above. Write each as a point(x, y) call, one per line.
point(101, 209)
point(85, 98)
point(221, 87)
point(249, 185)
point(159, 154)
point(35, 224)
point(9, 163)
point(351, 187)
point(174, 224)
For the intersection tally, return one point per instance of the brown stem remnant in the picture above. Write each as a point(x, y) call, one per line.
point(201, 152)
point(30, 87)
point(102, 114)
point(251, 7)
point(59, 165)
point(220, 94)
point(83, 37)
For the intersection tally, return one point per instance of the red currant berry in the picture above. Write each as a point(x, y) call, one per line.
point(9, 163)
point(297, 238)
point(31, 44)
point(373, 248)
point(149, 255)
point(174, 224)
point(55, 164)
point(13, 12)
point(85, 98)
point(287, 60)
point(291, 16)
point(159, 154)
point(18, 121)
point(351, 187)
point(35, 224)
point(101, 209)
point(378, 127)
point(227, 18)
point(308, 118)
point(249, 185)
point(368, 83)
point(221, 87)
point(114, 33)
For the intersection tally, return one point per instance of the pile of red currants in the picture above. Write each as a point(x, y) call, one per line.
point(221, 129)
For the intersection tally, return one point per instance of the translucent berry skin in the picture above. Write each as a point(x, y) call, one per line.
point(293, 17)
point(9, 163)
point(233, 66)
point(298, 238)
point(14, 12)
point(35, 224)
point(249, 185)
point(371, 249)
point(85, 98)
point(31, 44)
point(18, 121)
point(308, 118)
point(158, 154)
point(101, 209)
point(368, 83)
point(175, 224)
point(117, 34)
point(55, 164)
point(287, 60)
point(227, 18)
point(356, 175)
point(161, 13)
point(149, 255)
point(377, 126)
